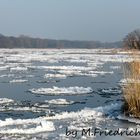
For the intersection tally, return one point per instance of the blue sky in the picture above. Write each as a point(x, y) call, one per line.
point(103, 20)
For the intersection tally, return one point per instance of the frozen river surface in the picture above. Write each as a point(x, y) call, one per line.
point(59, 94)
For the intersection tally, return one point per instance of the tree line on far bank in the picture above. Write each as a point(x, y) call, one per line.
point(29, 42)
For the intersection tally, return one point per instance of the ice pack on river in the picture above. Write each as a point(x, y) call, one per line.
point(62, 94)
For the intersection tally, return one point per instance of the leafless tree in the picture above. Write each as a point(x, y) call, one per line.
point(132, 40)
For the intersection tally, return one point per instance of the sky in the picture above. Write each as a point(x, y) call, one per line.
point(102, 20)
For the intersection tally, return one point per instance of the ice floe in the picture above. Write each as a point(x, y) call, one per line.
point(19, 69)
point(3, 68)
point(17, 106)
point(78, 119)
point(18, 81)
point(55, 76)
point(89, 113)
point(34, 109)
point(62, 90)
point(70, 67)
point(129, 119)
point(112, 90)
point(6, 75)
point(6, 101)
point(59, 102)
point(78, 73)
point(115, 67)
point(25, 126)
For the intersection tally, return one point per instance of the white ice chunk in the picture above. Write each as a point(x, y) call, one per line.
point(110, 90)
point(55, 76)
point(18, 81)
point(59, 102)
point(6, 100)
point(32, 126)
point(62, 90)
point(88, 113)
point(19, 69)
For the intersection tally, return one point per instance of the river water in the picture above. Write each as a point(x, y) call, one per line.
point(60, 94)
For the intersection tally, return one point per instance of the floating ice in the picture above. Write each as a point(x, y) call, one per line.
point(55, 76)
point(88, 113)
point(25, 126)
point(11, 105)
point(43, 124)
point(18, 81)
point(6, 75)
point(128, 81)
point(3, 68)
point(71, 67)
point(77, 73)
point(101, 72)
point(30, 109)
point(129, 119)
point(62, 90)
point(81, 62)
point(112, 91)
point(70, 72)
point(59, 102)
point(115, 67)
point(19, 69)
point(5, 101)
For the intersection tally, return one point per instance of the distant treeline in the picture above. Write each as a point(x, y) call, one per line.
point(29, 42)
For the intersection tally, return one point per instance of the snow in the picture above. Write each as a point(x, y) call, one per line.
point(62, 90)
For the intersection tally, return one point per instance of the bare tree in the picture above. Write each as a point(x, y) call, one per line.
point(132, 40)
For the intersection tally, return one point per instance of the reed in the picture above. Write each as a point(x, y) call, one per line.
point(131, 88)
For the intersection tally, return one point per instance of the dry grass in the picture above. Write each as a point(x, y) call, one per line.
point(131, 90)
